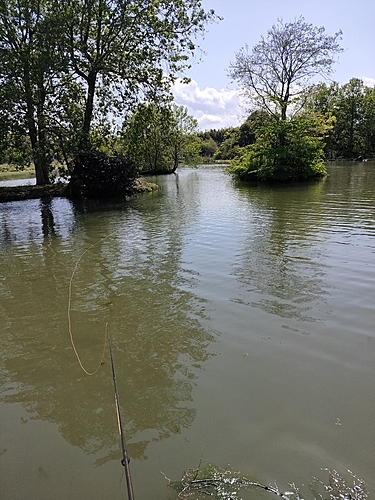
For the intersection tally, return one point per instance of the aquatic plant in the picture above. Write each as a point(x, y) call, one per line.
point(222, 484)
point(338, 488)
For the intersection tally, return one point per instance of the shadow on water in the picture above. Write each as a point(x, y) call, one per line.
point(129, 279)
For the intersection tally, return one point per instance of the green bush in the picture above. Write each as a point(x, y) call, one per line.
point(97, 174)
point(284, 151)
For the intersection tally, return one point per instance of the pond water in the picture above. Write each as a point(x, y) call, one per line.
point(242, 327)
point(18, 182)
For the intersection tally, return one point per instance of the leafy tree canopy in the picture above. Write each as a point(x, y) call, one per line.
point(353, 106)
point(68, 66)
point(159, 138)
point(274, 74)
point(298, 156)
point(275, 77)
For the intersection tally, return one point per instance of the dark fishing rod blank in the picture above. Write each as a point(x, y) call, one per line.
point(125, 460)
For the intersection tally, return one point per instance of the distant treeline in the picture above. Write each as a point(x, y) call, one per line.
point(352, 137)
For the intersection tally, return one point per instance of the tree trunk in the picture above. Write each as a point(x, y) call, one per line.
point(285, 102)
point(176, 157)
point(40, 162)
point(84, 141)
point(43, 163)
point(91, 83)
point(41, 171)
point(351, 130)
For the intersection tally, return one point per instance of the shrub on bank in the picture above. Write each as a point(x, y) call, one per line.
point(97, 174)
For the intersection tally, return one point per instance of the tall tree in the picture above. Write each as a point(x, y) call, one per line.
point(69, 65)
point(353, 106)
point(276, 72)
point(186, 144)
point(321, 99)
point(123, 49)
point(349, 112)
point(368, 123)
point(27, 66)
point(159, 138)
point(275, 77)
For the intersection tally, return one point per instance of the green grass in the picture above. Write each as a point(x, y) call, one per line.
point(10, 173)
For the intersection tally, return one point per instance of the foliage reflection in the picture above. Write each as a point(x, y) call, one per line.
point(133, 280)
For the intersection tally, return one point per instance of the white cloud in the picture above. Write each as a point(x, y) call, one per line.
point(216, 108)
point(211, 107)
point(369, 82)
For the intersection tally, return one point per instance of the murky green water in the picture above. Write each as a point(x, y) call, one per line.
point(242, 323)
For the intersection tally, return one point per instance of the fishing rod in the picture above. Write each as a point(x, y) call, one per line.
point(125, 460)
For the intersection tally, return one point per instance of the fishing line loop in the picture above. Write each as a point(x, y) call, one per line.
point(69, 312)
point(125, 459)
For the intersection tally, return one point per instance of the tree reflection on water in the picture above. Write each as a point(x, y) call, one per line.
point(133, 280)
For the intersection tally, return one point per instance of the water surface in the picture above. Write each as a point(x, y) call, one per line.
point(241, 319)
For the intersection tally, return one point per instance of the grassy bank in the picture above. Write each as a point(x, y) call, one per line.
point(10, 173)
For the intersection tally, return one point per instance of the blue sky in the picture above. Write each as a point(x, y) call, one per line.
point(213, 99)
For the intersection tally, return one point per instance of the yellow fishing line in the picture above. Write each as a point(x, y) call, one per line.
point(69, 312)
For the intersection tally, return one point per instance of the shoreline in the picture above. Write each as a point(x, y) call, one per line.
point(61, 190)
